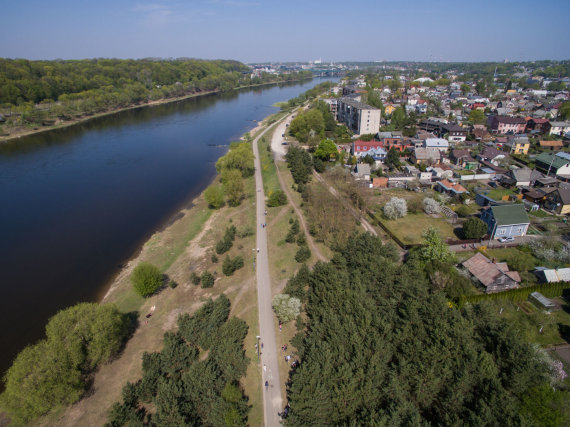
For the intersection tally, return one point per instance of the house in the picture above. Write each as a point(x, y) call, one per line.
point(491, 155)
point(559, 128)
point(464, 159)
point(389, 109)
point(521, 177)
point(427, 156)
point(454, 132)
point(362, 171)
point(550, 275)
point(541, 301)
point(358, 117)
point(558, 201)
point(519, 144)
point(439, 143)
point(398, 179)
point(451, 188)
point(506, 124)
point(553, 164)
point(494, 276)
point(551, 145)
point(506, 220)
point(539, 125)
point(361, 148)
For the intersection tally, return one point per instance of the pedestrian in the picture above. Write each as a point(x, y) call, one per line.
point(262, 345)
point(258, 252)
point(264, 368)
point(266, 385)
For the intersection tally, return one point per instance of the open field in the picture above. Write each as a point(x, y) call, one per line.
point(409, 228)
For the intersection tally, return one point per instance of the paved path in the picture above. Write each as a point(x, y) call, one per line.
point(272, 400)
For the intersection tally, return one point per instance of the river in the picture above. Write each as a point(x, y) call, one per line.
point(76, 203)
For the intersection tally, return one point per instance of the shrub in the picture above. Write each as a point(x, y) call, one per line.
point(303, 254)
point(550, 250)
point(227, 241)
point(146, 279)
point(463, 211)
point(214, 195)
point(214, 258)
point(286, 307)
point(231, 265)
point(474, 228)
point(245, 232)
point(520, 261)
point(207, 280)
point(290, 238)
point(172, 284)
point(301, 240)
point(415, 205)
point(194, 278)
point(277, 198)
point(395, 208)
point(431, 206)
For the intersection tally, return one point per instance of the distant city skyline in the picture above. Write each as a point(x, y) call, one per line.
point(292, 31)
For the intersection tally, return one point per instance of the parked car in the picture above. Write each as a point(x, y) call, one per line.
point(283, 135)
point(284, 143)
point(508, 239)
point(493, 184)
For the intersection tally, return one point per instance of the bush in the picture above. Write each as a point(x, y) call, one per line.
point(245, 232)
point(301, 240)
point(550, 250)
point(463, 211)
point(520, 261)
point(431, 206)
point(214, 258)
point(303, 254)
point(214, 195)
point(277, 198)
point(286, 307)
point(146, 279)
point(227, 241)
point(415, 205)
point(474, 228)
point(395, 208)
point(207, 280)
point(231, 265)
point(172, 284)
point(194, 278)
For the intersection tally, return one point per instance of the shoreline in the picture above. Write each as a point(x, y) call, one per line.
point(164, 101)
point(176, 215)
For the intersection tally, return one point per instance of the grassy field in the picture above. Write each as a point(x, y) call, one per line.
point(499, 193)
point(409, 228)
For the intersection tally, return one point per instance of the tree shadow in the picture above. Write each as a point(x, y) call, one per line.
point(459, 233)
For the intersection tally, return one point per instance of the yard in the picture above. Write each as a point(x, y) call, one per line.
point(409, 228)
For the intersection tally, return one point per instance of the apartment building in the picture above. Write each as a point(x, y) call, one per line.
point(357, 116)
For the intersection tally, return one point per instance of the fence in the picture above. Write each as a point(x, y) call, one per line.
point(521, 294)
point(476, 177)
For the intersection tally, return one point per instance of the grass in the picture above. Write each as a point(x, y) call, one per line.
point(409, 228)
point(499, 193)
point(268, 173)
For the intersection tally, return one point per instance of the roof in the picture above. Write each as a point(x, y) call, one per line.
point(559, 124)
point(551, 144)
point(436, 142)
point(450, 186)
point(564, 195)
point(488, 272)
point(510, 214)
point(554, 275)
point(362, 169)
point(542, 299)
point(539, 121)
point(521, 174)
point(510, 120)
point(427, 153)
point(491, 153)
point(357, 104)
point(552, 158)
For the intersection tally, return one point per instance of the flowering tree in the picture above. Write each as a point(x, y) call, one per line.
point(395, 208)
point(286, 307)
point(431, 206)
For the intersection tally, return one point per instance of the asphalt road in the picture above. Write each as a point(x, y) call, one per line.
point(272, 399)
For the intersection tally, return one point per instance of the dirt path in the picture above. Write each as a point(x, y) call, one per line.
point(272, 399)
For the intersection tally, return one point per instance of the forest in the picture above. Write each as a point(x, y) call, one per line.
point(381, 345)
point(40, 92)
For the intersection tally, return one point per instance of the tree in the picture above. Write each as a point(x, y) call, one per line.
point(214, 195)
point(207, 279)
point(146, 279)
point(286, 307)
point(477, 117)
point(465, 88)
point(392, 159)
point(326, 150)
point(434, 248)
point(474, 228)
point(303, 254)
point(233, 186)
point(277, 198)
point(431, 206)
point(395, 208)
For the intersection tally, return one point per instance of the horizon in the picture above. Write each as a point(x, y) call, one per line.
point(254, 32)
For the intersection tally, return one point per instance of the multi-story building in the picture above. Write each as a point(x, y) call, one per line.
point(357, 116)
point(507, 124)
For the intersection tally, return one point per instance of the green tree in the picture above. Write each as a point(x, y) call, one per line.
point(303, 254)
point(233, 186)
point(474, 228)
point(286, 308)
point(214, 195)
point(277, 198)
point(434, 248)
point(146, 279)
point(207, 279)
point(465, 88)
point(326, 150)
point(477, 117)
point(392, 159)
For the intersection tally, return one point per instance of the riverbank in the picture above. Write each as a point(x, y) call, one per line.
point(22, 131)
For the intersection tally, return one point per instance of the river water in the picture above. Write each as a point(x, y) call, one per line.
point(76, 203)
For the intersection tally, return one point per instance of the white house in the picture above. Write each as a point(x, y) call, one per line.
point(559, 128)
point(439, 143)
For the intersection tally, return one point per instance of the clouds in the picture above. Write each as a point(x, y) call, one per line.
point(158, 15)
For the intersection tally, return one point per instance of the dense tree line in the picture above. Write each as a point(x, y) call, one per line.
point(57, 370)
point(72, 88)
point(301, 165)
point(383, 347)
point(194, 380)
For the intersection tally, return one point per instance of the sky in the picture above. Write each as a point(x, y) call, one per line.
point(287, 30)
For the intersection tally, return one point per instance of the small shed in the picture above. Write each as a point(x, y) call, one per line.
point(541, 301)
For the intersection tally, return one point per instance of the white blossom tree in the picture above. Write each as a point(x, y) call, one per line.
point(396, 208)
point(431, 206)
point(286, 307)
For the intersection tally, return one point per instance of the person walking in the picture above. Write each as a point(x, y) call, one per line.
point(266, 385)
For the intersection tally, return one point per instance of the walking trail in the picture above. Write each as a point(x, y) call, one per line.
point(272, 400)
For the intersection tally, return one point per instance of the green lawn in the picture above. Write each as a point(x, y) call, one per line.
point(498, 193)
point(410, 228)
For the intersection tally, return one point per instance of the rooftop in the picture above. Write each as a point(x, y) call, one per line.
point(357, 104)
point(510, 214)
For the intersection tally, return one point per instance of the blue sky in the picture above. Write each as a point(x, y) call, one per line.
point(290, 30)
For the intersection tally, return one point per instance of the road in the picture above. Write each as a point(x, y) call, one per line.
point(272, 400)
point(277, 147)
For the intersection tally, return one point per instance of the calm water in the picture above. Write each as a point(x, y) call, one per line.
point(76, 203)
